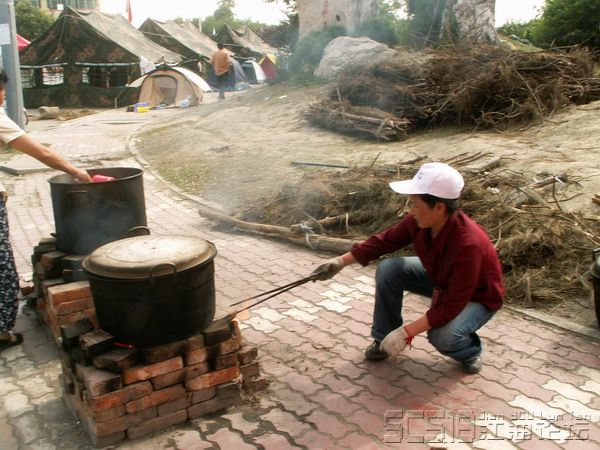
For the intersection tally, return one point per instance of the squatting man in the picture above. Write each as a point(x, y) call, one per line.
point(455, 265)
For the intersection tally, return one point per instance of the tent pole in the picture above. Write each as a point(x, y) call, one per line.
point(10, 62)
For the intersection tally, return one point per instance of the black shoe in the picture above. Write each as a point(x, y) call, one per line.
point(373, 353)
point(471, 366)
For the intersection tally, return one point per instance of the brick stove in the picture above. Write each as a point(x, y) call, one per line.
point(118, 392)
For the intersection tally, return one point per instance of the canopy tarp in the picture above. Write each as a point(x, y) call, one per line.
point(93, 37)
point(184, 38)
point(245, 41)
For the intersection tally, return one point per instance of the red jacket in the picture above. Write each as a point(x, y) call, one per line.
point(461, 262)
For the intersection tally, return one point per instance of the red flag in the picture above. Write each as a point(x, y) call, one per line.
point(129, 15)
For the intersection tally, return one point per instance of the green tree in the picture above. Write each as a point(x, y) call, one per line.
point(309, 51)
point(385, 26)
point(31, 21)
point(223, 15)
point(570, 22)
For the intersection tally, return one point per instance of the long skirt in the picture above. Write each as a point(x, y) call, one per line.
point(9, 280)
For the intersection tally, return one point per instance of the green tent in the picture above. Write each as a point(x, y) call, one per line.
point(87, 59)
point(184, 39)
point(244, 42)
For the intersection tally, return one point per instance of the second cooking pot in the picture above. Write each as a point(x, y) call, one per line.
point(151, 290)
point(88, 215)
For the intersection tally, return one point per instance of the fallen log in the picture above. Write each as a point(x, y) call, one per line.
point(314, 241)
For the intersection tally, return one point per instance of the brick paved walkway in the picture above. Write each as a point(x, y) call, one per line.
point(539, 388)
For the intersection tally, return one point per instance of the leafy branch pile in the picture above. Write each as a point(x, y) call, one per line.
point(488, 88)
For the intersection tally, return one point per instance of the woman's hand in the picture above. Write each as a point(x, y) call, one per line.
point(82, 176)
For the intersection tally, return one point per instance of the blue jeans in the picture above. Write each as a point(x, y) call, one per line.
point(456, 339)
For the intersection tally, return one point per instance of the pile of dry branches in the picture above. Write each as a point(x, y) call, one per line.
point(545, 252)
point(490, 88)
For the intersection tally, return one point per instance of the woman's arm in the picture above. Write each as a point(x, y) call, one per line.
point(49, 157)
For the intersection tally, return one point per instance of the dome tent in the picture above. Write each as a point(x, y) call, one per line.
point(169, 86)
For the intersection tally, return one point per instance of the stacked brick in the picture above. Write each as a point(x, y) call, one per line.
point(117, 391)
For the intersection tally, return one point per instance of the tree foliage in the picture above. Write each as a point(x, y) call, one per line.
point(31, 21)
point(309, 50)
point(385, 26)
point(570, 22)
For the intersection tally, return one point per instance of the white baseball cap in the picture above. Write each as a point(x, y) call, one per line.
point(437, 179)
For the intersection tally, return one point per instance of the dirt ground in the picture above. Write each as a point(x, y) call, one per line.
point(236, 152)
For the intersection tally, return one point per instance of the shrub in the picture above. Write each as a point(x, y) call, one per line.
point(309, 51)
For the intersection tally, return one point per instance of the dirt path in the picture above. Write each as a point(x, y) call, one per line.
point(236, 152)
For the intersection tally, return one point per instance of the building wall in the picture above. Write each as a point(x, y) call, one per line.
point(316, 14)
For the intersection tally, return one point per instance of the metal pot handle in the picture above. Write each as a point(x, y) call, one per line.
point(595, 253)
point(135, 231)
point(171, 265)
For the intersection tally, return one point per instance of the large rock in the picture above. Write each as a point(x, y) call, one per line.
point(346, 51)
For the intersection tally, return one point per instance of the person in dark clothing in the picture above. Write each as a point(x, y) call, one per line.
point(456, 265)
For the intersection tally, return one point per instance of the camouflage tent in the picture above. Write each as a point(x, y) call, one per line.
point(87, 59)
point(244, 42)
point(184, 39)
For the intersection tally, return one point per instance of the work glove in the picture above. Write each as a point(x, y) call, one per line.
point(328, 269)
point(396, 341)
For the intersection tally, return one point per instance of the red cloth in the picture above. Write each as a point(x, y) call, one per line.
point(101, 178)
point(461, 261)
point(22, 42)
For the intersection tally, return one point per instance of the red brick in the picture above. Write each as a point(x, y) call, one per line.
point(213, 378)
point(210, 406)
point(49, 283)
point(167, 351)
point(119, 397)
point(256, 383)
point(140, 373)
point(79, 411)
point(196, 356)
point(96, 342)
point(227, 390)
point(225, 361)
point(68, 292)
point(109, 414)
point(217, 332)
point(250, 370)
point(89, 314)
point(176, 405)
point(156, 398)
point(229, 346)
point(203, 394)
point(179, 376)
point(247, 354)
point(51, 260)
point(117, 360)
point(98, 382)
point(73, 306)
point(123, 423)
point(157, 424)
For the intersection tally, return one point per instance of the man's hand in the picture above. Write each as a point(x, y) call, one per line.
point(328, 269)
point(396, 341)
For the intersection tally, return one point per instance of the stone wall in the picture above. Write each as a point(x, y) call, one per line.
point(316, 14)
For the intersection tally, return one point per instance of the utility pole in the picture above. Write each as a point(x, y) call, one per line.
point(10, 62)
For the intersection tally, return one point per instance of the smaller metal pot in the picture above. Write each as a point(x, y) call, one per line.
point(151, 290)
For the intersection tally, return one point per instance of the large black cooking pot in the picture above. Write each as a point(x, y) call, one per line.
point(152, 290)
point(596, 279)
point(88, 215)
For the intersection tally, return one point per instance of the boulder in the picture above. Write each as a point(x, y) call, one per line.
point(346, 51)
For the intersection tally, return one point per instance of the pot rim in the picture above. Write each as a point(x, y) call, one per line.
point(68, 180)
point(147, 257)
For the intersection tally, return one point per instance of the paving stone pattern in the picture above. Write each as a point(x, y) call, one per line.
point(539, 388)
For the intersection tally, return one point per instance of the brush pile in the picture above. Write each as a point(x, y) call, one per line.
point(485, 88)
point(545, 251)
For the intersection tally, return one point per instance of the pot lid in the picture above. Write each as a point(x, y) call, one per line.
point(143, 257)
